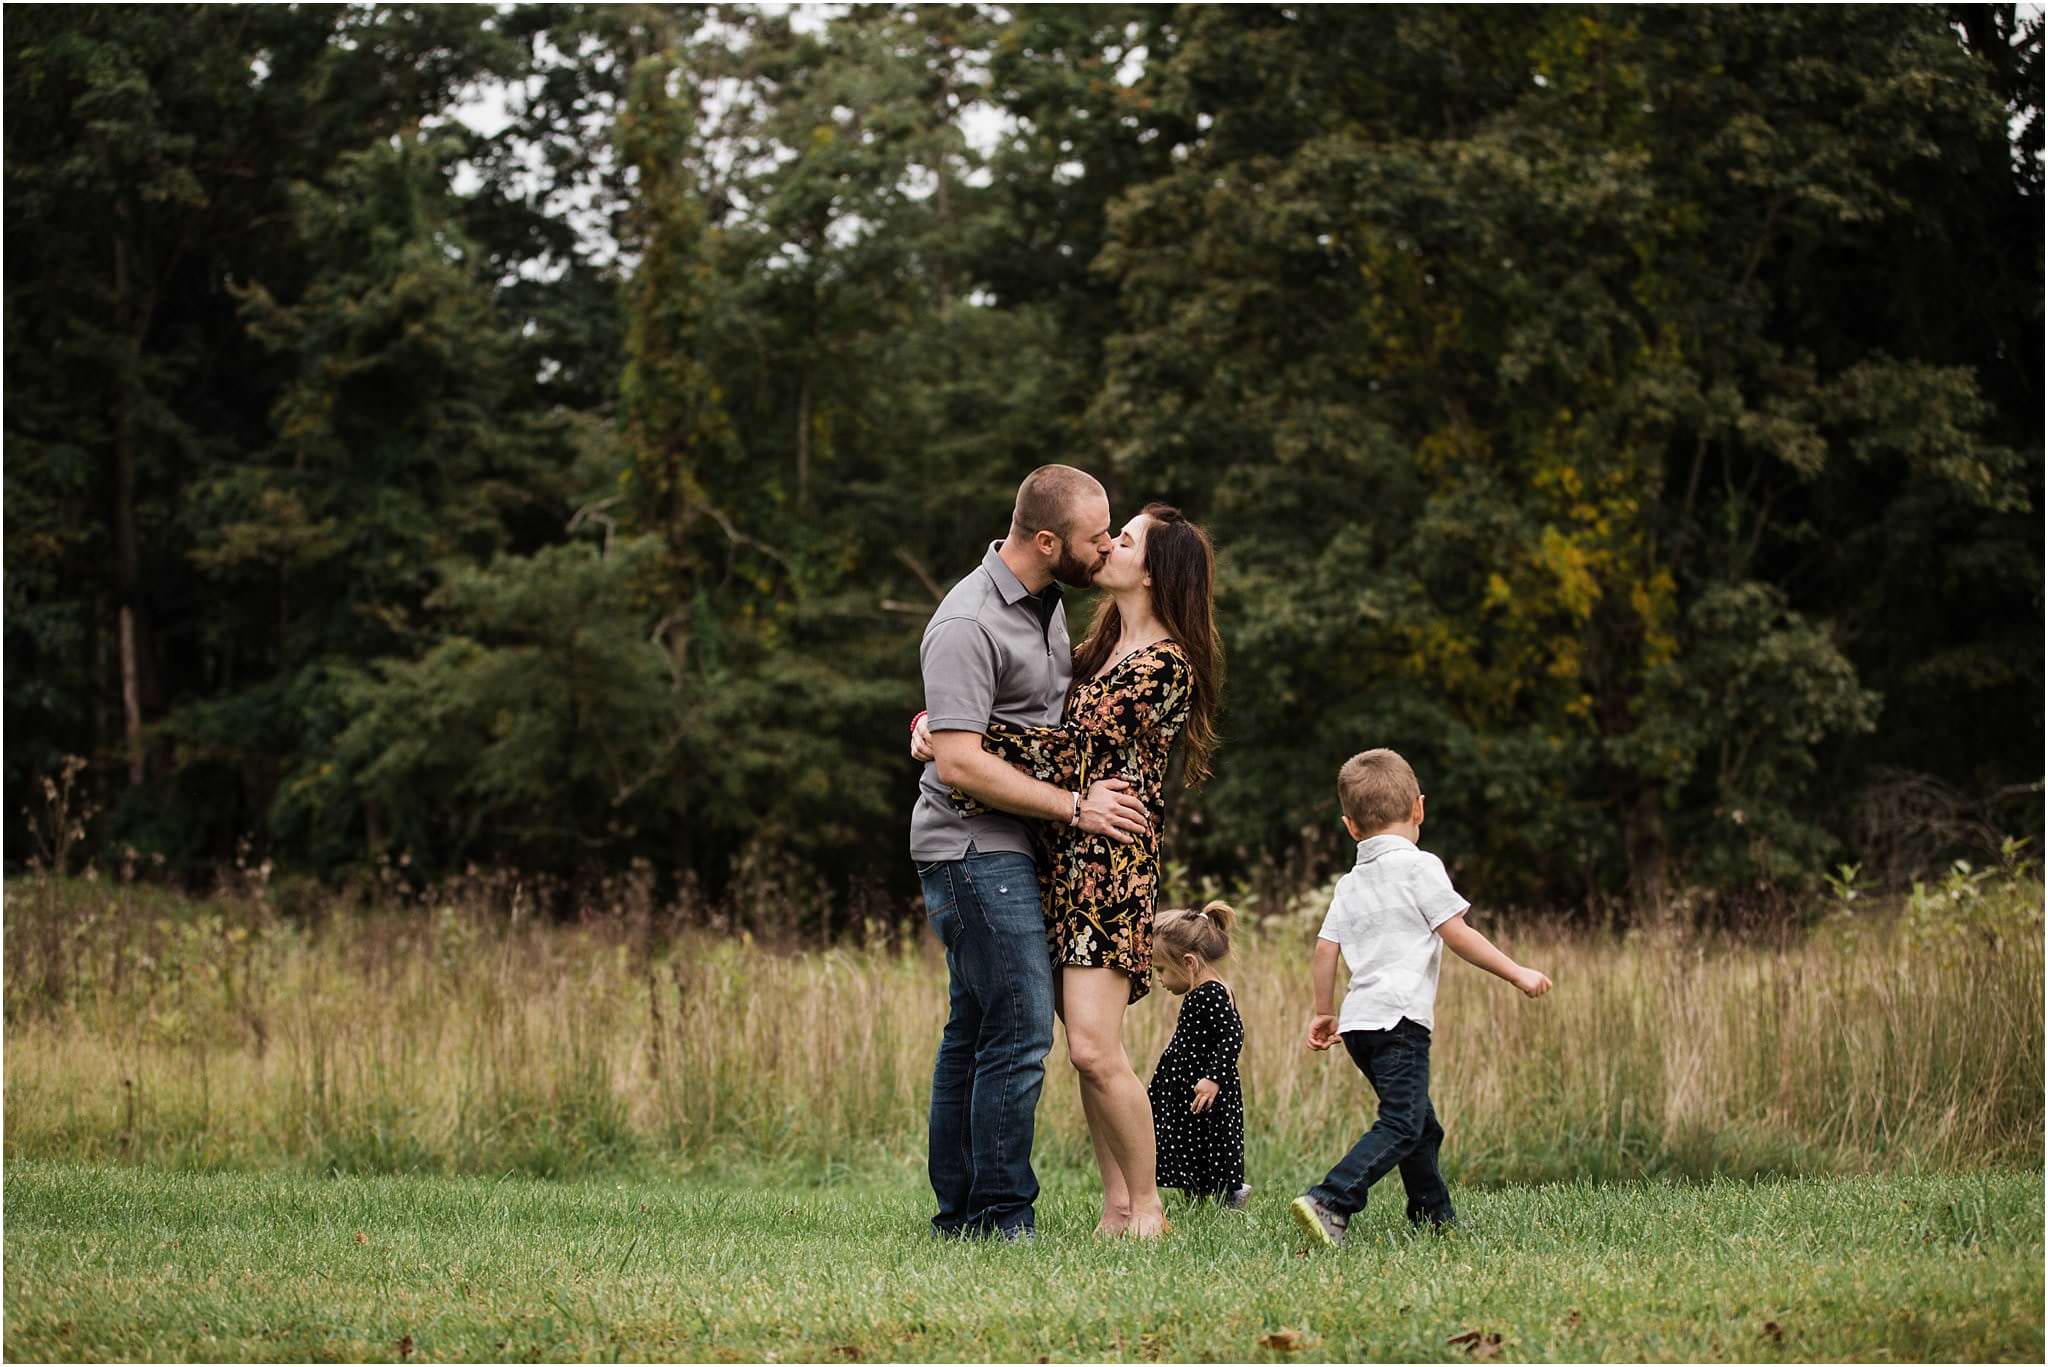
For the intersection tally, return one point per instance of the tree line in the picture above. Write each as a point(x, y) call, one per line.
point(534, 436)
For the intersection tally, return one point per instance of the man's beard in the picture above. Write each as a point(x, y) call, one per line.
point(1074, 573)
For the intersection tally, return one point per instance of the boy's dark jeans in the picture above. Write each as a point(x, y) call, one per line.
point(1406, 1135)
point(991, 1060)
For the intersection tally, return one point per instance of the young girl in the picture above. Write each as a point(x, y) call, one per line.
point(1197, 1103)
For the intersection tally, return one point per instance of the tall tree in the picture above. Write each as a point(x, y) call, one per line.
point(151, 155)
point(1497, 314)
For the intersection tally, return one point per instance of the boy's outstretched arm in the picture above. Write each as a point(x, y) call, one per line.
point(1474, 948)
point(1322, 1023)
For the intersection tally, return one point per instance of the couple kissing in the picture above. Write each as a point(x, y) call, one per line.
point(1036, 833)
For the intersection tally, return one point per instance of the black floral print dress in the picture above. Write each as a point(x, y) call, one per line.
point(1201, 1153)
point(1098, 891)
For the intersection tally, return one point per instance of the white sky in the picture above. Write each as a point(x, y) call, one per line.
point(489, 110)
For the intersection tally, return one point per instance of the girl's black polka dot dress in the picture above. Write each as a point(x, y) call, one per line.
point(1201, 1154)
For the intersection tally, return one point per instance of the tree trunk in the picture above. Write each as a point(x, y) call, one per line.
point(137, 679)
point(131, 696)
point(1642, 831)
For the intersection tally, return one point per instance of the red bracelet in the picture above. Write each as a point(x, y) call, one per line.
point(915, 720)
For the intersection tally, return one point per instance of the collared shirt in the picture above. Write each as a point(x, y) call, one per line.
point(993, 651)
point(1384, 917)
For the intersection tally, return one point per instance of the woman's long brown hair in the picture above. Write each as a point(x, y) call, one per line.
point(1182, 564)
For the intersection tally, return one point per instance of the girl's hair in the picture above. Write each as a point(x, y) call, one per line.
point(1204, 933)
point(1182, 564)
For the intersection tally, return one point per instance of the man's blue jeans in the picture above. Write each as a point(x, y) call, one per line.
point(1406, 1135)
point(991, 1063)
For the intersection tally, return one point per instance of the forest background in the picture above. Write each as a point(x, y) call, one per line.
point(1633, 415)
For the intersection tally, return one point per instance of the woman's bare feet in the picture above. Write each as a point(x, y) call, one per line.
point(1148, 1223)
point(1115, 1220)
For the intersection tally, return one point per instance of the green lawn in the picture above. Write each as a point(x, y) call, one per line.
point(138, 1264)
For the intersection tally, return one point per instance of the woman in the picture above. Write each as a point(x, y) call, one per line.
point(1147, 673)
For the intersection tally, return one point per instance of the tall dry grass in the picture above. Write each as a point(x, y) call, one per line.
point(459, 1034)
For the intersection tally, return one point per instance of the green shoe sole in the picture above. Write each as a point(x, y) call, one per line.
point(1305, 1215)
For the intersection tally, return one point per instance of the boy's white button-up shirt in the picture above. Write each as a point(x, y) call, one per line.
point(1384, 918)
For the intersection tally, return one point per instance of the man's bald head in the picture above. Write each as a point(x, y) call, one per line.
point(1062, 514)
point(1049, 498)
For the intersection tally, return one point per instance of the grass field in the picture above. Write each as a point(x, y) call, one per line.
point(453, 1034)
point(129, 1263)
point(440, 1128)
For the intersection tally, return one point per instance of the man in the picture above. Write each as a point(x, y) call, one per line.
point(997, 648)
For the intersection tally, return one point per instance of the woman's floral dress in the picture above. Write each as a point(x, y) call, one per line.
point(1098, 891)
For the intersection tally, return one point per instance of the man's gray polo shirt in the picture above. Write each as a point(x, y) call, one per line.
point(993, 651)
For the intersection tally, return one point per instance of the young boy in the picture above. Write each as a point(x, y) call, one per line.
point(1392, 916)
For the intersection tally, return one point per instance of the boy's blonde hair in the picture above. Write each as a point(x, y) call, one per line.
point(1205, 933)
point(1378, 789)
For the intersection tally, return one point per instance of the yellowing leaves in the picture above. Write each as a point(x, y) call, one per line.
point(1437, 650)
point(1572, 565)
point(1450, 445)
point(1655, 601)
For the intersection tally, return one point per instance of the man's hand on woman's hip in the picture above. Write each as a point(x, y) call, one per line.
point(1110, 808)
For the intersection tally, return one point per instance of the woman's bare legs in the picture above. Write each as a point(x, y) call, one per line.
point(1119, 1115)
point(1116, 1193)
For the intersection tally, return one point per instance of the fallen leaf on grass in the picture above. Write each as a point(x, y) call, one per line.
point(1479, 1345)
point(361, 1237)
point(1772, 1331)
point(1285, 1340)
point(1571, 1321)
point(405, 1346)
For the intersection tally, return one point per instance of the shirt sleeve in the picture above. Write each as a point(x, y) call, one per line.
point(1335, 921)
point(1049, 753)
point(958, 659)
point(1434, 896)
point(1162, 694)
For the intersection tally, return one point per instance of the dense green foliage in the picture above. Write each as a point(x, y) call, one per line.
point(134, 1264)
point(1632, 414)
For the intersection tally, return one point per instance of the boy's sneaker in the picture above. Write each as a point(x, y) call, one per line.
point(1239, 1198)
point(1324, 1226)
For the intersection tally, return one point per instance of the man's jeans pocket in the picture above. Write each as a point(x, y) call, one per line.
point(941, 905)
point(1003, 888)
